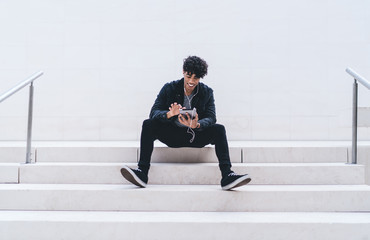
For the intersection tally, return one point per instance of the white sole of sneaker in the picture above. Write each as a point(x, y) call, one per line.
point(237, 183)
point(131, 177)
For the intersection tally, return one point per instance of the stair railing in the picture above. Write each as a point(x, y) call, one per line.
point(15, 89)
point(363, 81)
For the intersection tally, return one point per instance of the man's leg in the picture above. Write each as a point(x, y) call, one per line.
point(139, 176)
point(174, 136)
point(151, 130)
point(216, 135)
point(178, 137)
point(148, 136)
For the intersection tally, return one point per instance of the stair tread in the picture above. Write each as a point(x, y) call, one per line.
point(186, 217)
point(137, 143)
point(189, 188)
point(185, 198)
point(329, 164)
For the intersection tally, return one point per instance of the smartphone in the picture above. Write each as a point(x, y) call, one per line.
point(192, 112)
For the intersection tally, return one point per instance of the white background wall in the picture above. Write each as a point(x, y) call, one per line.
point(277, 67)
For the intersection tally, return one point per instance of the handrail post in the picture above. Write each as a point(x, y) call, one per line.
point(366, 83)
point(354, 123)
point(15, 89)
point(29, 127)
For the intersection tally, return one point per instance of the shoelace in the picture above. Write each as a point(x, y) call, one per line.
point(232, 174)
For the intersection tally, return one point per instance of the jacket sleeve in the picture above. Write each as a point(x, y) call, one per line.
point(160, 108)
point(210, 113)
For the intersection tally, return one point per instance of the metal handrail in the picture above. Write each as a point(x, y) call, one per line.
point(19, 86)
point(366, 83)
point(15, 89)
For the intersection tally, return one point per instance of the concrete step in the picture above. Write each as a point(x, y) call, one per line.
point(192, 173)
point(128, 151)
point(15, 153)
point(20, 225)
point(128, 154)
point(9, 172)
point(125, 151)
point(297, 154)
point(185, 198)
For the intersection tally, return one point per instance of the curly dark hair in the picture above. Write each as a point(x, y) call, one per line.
point(195, 65)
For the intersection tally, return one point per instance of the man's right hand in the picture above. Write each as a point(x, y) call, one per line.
point(174, 110)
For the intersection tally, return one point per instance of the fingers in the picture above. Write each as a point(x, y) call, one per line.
point(175, 106)
point(183, 118)
point(184, 121)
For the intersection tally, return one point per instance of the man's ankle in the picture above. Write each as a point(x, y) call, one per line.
point(226, 173)
point(144, 170)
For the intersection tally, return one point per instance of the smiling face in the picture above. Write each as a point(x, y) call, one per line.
point(190, 82)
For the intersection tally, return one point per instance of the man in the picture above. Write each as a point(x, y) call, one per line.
point(183, 130)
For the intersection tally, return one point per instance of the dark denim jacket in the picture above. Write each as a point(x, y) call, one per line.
point(174, 92)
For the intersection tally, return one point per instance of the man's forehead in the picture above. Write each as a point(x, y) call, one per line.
point(191, 74)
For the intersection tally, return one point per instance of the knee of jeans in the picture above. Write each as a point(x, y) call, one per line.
point(220, 129)
point(147, 123)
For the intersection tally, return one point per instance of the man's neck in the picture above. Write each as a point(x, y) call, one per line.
point(188, 93)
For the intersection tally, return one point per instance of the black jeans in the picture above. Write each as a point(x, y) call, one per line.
point(176, 137)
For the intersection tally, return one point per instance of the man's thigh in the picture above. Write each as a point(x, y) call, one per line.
point(173, 136)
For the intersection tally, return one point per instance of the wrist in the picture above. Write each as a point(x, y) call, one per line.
point(169, 115)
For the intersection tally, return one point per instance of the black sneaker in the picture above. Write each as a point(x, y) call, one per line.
point(135, 176)
point(233, 180)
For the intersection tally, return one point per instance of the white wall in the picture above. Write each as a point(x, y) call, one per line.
point(277, 67)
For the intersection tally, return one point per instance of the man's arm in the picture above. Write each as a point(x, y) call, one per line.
point(159, 110)
point(209, 117)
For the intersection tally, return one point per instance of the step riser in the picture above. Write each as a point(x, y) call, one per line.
point(9, 173)
point(160, 154)
point(186, 201)
point(295, 154)
point(206, 154)
point(15, 154)
point(87, 154)
point(183, 231)
point(194, 174)
point(191, 155)
point(178, 155)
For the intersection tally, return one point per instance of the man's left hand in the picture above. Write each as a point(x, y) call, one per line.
point(188, 122)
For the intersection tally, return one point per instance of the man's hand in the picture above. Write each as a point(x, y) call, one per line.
point(174, 110)
point(188, 122)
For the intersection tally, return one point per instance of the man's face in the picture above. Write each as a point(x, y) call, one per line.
point(190, 82)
